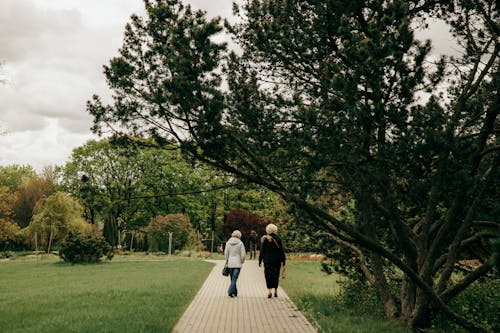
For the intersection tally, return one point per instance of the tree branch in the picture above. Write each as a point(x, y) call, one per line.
point(453, 291)
point(363, 263)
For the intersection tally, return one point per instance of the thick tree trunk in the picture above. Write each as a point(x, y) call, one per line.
point(377, 265)
point(421, 315)
point(390, 308)
point(408, 295)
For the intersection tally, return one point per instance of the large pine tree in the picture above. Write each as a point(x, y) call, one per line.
point(324, 99)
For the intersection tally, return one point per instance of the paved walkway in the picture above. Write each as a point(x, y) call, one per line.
point(212, 310)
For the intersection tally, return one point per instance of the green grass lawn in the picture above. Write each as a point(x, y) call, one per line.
point(313, 291)
point(127, 294)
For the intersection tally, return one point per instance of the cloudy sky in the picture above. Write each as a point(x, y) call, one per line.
point(52, 53)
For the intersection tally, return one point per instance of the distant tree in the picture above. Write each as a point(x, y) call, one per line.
point(254, 199)
point(12, 176)
point(8, 233)
point(325, 98)
point(105, 178)
point(125, 185)
point(54, 217)
point(7, 199)
point(243, 221)
point(30, 191)
point(160, 227)
point(8, 228)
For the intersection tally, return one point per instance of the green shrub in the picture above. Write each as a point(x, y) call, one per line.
point(6, 255)
point(161, 226)
point(479, 303)
point(360, 299)
point(77, 248)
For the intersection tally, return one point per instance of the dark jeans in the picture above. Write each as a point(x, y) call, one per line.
point(253, 251)
point(233, 273)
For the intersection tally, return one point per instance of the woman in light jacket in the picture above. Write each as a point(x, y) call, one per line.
point(235, 256)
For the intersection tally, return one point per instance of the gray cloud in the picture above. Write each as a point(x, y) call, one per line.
point(54, 56)
point(53, 53)
point(442, 40)
point(26, 30)
point(53, 64)
point(222, 8)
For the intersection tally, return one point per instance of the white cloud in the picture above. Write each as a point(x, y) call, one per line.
point(51, 145)
point(439, 33)
point(53, 53)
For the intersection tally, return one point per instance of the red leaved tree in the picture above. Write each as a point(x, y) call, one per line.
point(243, 221)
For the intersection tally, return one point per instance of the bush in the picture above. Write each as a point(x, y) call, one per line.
point(159, 228)
point(479, 303)
point(77, 249)
point(360, 299)
point(6, 255)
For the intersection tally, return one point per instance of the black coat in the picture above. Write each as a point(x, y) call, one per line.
point(271, 251)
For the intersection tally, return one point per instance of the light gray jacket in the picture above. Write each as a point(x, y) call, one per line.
point(235, 252)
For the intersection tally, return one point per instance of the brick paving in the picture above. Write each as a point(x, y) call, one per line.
point(212, 310)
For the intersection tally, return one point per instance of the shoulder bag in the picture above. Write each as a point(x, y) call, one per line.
point(225, 270)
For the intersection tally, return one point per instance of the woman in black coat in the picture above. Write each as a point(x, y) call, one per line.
point(273, 256)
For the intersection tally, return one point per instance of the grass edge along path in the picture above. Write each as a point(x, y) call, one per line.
point(123, 295)
point(313, 292)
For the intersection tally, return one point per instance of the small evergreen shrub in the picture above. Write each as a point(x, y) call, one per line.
point(79, 249)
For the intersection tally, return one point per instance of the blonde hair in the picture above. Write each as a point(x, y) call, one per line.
point(236, 233)
point(271, 228)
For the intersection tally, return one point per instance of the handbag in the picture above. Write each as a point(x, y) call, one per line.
point(225, 270)
point(283, 272)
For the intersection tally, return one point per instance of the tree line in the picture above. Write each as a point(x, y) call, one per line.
point(127, 192)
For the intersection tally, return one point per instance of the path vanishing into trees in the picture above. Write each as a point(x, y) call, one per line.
point(212, 310)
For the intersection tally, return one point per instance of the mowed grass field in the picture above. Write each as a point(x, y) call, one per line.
point(127, 294)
